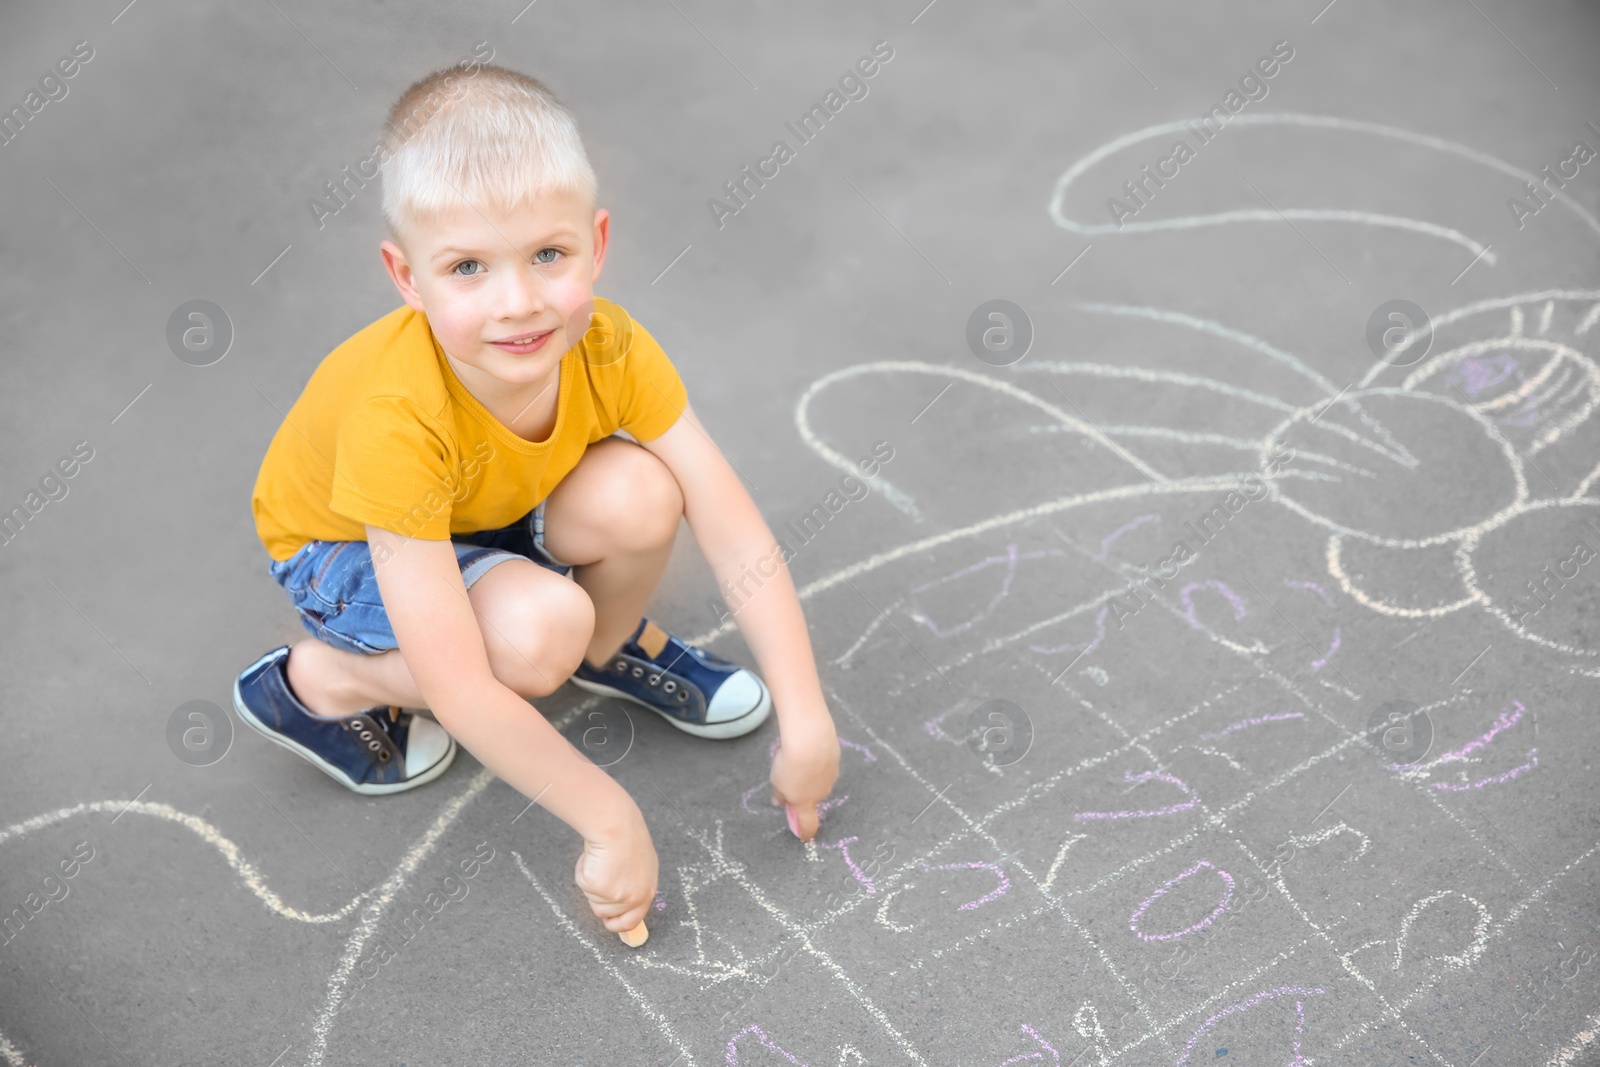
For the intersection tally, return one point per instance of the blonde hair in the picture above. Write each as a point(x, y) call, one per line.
point(476, 134)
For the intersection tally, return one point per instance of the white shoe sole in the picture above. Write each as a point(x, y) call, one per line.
point(369, 789)
point(717, 731)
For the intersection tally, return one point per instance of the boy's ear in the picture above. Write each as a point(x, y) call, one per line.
point(394, 261)
point(602, 232)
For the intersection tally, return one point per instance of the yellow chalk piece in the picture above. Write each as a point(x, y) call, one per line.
point(635, 937)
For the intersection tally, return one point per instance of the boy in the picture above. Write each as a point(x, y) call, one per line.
point(451, 515)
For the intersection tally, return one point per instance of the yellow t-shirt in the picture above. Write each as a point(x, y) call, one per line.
point(385, 433)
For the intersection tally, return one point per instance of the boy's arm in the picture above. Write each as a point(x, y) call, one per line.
point(442, 644)
point(744, 556)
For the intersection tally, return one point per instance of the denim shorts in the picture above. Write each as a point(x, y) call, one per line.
point(334, 588)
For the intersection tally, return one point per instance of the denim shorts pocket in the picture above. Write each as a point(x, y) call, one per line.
point(325, 581)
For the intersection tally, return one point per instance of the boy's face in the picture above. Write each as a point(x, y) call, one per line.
point(484, 278)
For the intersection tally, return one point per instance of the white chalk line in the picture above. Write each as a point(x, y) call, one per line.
point(975, 828)
point(13, 1055)
point(1058, 215)
point(880, 559)
point(648, 1010)
point(721, 863)
point(367, 925)
point(1478, 307)
point(1469, 578)
point(1492, 431)
point(1227, 333)
point(1237, 444)
point(1336, 571)
point(1557, 352)
point(247, 872)
point(1005, 388)
point(1157, 376)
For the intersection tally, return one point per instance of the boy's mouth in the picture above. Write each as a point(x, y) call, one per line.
point(525, 344)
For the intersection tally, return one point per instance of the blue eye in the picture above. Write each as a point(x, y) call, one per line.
point(469, 274)
point(542, 251)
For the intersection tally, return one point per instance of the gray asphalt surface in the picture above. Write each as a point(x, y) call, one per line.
point(1180, 842)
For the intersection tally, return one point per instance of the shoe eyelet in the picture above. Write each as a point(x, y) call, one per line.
point(366, 735)
point(622, 666)
point(655, 679)
point(383, 755)
point(670, 686)
point(683, 696)
point(638, 672)
point(374, 745)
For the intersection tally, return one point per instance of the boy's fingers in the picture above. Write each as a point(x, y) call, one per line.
point(803, 820)
point(628, 919)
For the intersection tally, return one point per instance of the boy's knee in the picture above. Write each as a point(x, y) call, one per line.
point(547, 641)
point(642, 501)
point(561, 635)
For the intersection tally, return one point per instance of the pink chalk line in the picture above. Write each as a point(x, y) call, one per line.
point(1245, 724)
point(1313, 586)
point(1246, 1005)
point(933, 730)
point(843, 845)
point(1533, 761)
point(1105, 542)
point(976, 865)
point(1031, 1032)
point(1135, 779)
point(1318, 664)
point(767, 1042)
point(1099, 635)
point(1227, 895)
point(1234, 599)
point(1009, 559)
point(1506, 719)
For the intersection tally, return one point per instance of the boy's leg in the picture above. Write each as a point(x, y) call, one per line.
point(614, 518)
point(535, 628)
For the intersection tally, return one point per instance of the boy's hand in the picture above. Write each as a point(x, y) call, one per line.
point(618, 875)
point(803, 772)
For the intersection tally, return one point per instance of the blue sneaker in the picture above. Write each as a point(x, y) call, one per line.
point(697, 691)
point(380, 750)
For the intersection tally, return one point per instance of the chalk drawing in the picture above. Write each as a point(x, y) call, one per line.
point(766, 1043)
point(1235, 601)
point(1002, 883)
point(843, 845)
point(1009, 560)
point(1170, 884)
point(1136, 779)
point(1480, 928)
point(1540, 387)
point(1055, 1057)
point(1127, 527)
point(1300, 993)
point(1245, 724)
point(1292, 214)
point(1099, 636)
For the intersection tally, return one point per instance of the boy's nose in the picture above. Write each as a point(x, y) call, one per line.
point(522, 295)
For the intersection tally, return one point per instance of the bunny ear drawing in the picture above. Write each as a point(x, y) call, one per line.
point(1096, 187)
